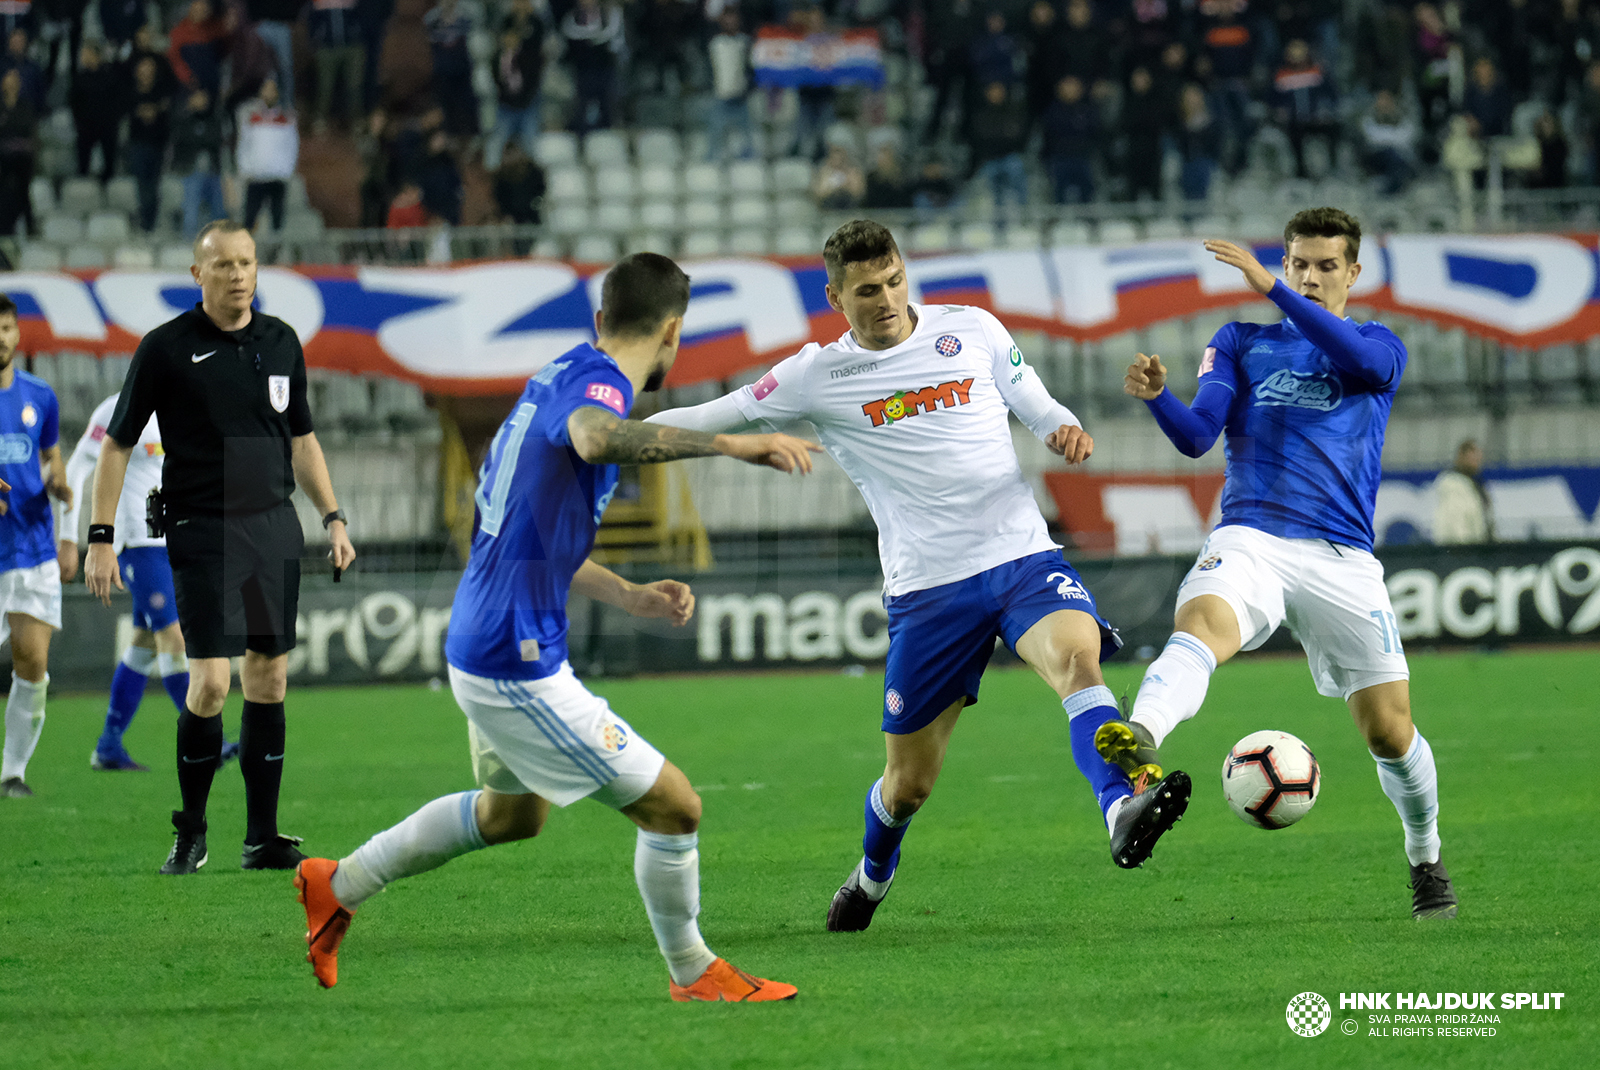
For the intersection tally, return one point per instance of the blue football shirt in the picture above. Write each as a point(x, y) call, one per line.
point(538, 507)
point(1304, 440)
point(30, 421)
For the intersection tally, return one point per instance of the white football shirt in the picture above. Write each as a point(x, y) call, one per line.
point(144, 474)
point(922, 430)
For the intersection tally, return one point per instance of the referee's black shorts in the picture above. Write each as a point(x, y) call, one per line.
point(237, 579)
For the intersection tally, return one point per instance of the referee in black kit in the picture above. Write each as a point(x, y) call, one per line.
point(229, 386)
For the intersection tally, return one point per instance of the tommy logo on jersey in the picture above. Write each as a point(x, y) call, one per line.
point(607, 395)
point(278, 392)
point(1068, 587)
point(948, 345)
point(906, 403)
point(1301, 390)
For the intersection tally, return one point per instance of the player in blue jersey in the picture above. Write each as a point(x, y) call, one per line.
point(1304, 405)
point(30, 575)
point(537, 736)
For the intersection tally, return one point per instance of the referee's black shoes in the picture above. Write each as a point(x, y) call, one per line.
point(280, 852)
point(1146, 816)
point(189, 850)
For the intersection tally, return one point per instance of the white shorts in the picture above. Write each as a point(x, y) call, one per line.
point(1333, 598)
point(552, 738)
point(35, 591)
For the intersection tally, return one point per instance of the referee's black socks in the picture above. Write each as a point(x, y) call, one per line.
point(261, 762)
point(199, 750)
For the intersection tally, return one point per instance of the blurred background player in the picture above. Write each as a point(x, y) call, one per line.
point(157, 645)
point(30, 575)
point(1305, 404)
point(914, 404)
point(537, 735)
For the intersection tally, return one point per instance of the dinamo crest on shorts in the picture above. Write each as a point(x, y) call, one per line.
point(278, 392)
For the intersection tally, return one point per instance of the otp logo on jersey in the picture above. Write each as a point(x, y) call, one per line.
point(948, 345)
point(605, 394)
point(906, 403)
point(614, 738)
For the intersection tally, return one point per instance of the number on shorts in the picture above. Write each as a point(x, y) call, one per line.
point(1389, 629)
point(494, 481)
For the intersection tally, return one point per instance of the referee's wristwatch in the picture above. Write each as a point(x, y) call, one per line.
point(337, 514)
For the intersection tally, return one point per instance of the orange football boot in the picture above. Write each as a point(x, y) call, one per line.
point(326, 920)
point(725, 983)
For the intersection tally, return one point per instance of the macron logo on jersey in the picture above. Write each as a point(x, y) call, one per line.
point(906, 403)
point(1285, 387)
point(607, 395)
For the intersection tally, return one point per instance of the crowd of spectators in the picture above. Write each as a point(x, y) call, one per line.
point(1072, 100)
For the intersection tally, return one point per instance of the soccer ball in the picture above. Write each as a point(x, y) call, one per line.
point(1271, 779)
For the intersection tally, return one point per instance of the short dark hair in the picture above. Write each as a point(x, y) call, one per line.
point(217, 226)
point(1325, 223)
point(7, 305)
point(860, 241)
point(641, 292)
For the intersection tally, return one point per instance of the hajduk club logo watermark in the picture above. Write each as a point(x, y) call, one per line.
point(1309, 1014)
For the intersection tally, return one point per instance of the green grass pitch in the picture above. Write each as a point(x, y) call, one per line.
point(1010, 939)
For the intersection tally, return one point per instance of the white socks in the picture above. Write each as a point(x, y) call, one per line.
point(139, 659)
point(1412, 783)
point(667, 869)
point(24, 723)
point(172, 663)
point(1174, 685)
point(442, 830)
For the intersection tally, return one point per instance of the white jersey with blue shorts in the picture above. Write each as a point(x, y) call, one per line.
point(30, 577)
point(142, 559)
point(923, 431)
point(1304, 405)
point(532, 726)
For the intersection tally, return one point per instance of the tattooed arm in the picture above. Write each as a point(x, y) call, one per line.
point(601, 438)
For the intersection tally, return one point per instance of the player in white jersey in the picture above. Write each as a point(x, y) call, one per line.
point(913, 403)
point(157, 644)
point(30, 575)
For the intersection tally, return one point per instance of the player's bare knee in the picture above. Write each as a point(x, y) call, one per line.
point(509, 818)
point(31, 669)
point(264, 679)
point(206, 697)
point(905, 794)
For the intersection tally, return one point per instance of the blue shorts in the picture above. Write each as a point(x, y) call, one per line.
point(940, 639)
point(148, 577)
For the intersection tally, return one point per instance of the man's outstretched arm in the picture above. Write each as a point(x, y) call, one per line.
point(1193, 429)
point(600, 437)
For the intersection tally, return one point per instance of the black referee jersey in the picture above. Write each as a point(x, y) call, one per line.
point(229, 403)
